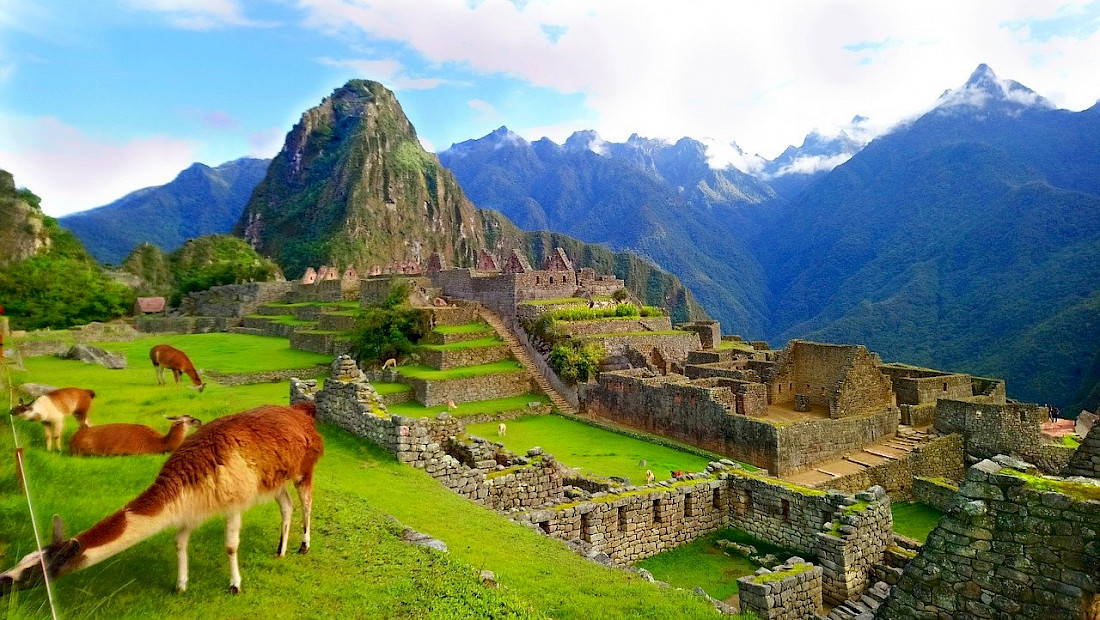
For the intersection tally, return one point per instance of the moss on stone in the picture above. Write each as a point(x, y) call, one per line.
point(783, 574)
point(1076, 490)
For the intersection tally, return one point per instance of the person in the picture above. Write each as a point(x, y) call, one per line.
point(1054, 413)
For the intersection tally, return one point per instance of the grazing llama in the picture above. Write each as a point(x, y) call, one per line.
point(50, 409)
point(164, 356)
point(649, 477)
point(390, 363)
point(224, 468)
point(124, 439)
point(502, 429)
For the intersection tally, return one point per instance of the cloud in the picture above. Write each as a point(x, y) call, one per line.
point(200, 14)
point(812, 163)
point(73, 171)
point(485, 110)
point(726, 154)
point(763, 73)
point(388, 71)
point(220, 121)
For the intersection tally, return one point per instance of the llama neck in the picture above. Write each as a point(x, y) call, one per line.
point(194, 376)
point(119, 532)
point(175, 436)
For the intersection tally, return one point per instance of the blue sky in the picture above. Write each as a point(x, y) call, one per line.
point(100, 97)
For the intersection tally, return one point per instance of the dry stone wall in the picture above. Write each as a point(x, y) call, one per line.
point(1007, 549)
point(615, 326)
point(941, 457)
point(935, 492)
point(791, 591)
point(1086, 460)
point(471, 356)
point(438, 392)
point(992, 428)
point(234, 300)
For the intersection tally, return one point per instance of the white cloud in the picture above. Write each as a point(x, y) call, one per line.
point(811, 164)
point(388, 71)
point(73, 171)
point(725, 154)
point(200, 14)
point(267, 143)
point(763, 74)
point(484, 109)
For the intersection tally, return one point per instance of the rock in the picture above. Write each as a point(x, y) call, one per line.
point(488, 578)
point(34, 390)
point(95, 355)
point(1014, 463)
point(410, 535)
point(536, 451)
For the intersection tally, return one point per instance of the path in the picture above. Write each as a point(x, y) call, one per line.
point(883, 451)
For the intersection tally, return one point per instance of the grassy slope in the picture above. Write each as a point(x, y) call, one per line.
point(463, 372)
point(414, 409)
point(356, 568)
point(591, 449)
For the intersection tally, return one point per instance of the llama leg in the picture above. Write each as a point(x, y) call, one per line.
point(232, 541)
point(182, 538)
point(285, 510)
point(160, 374)
point(176, 375)
point(305, 493)
point(53, 435)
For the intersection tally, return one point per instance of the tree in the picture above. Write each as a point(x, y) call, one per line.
point(391, 329)
point(577, 362)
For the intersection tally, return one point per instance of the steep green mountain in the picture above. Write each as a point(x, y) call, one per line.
point(626, 201)
point(200, 201)
point(352, 185)
point(47, 279)
point(968, 239)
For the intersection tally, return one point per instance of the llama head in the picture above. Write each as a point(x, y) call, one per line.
point(56, 558)
point(188, 422)
point(25, 410)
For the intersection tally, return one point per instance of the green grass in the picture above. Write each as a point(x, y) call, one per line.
point(914, 519)
point(492, 341)
point(226, 353)
point(591, 450)
point(476, 327)
point(282, 319)
point(704, 564)
point(554, 302)
point(666, 332)
point(414, 409)
point(384, 388)
point(464, 372)
point(1070, 441)
point(357, 567)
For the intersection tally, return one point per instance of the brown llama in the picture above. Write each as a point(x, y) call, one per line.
point(165, 356)
point(223, 468)
point(50, 409)
point(124, 439)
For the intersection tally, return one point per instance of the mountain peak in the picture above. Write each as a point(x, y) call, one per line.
point(586, 140)
point(985, 91)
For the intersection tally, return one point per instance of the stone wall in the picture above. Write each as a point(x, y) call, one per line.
point(936, 492)
point(927, 390)
point(1086, 459)
point(437, 392)
point(941, 457)
point(318, 342)
point(336, 322)
point(989, 428)
point(614, 325)
point(844, 379)
point(918, 415)
point(802, 444)
point(234, 300)
point(1010, 547)
point(185, 324)
point(674, 347)
point(469, 356)
point(637, 524)
point(791, 591)
point(858, 541)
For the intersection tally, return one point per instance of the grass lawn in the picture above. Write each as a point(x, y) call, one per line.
point(554, 302)
point(491, 341)
point(226, 353)
point(384, 388)
point(464, 372)
point(357, 566)
point(703, 563)
point(914, 519)
point(667, 332)
point(476, 327)
point(590, 449)
point(414, 409)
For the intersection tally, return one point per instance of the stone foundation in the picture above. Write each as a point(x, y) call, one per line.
point(788, 592)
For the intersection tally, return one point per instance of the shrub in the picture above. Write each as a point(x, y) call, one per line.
point(620, 295)
point(576, 362)
point(388, 330)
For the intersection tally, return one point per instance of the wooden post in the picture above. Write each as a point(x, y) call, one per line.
point(19, 469)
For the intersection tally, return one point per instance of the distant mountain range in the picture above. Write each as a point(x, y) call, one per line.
point(967, 239)
point(201, 200)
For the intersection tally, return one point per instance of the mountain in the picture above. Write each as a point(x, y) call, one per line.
point(23, 231)
point(201, 200)
point(660, 200)
point(352, 185)
point(796, 168)
point(968, 239)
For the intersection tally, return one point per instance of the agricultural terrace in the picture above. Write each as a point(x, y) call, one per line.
point(914, 519)
point(414, 409)
point(357, 566)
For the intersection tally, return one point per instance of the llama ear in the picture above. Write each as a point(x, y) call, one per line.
point(58, 529)
point(171, 417)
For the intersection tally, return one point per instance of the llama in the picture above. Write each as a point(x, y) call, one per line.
point(502, 429)
point(223, 468)
point(124, 439)
point(165, 356)
point(390, 363)
point(649, 477)
point(50, 409)
point(451, 405)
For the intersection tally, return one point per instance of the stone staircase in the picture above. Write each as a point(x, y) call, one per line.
point(521, 354)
